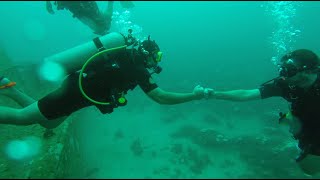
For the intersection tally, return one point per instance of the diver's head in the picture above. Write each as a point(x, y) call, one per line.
point(299, 67)
point(152, 54)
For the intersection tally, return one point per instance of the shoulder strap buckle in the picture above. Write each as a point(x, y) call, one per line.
point(98, 44)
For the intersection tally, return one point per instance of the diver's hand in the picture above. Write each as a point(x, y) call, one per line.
point(198, 92)
point(49, 7)
point(208, 93)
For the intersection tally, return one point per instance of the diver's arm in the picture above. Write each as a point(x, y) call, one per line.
point(49, 7)
point(126, 4)
point(109, 10)
point(170, 98)
point(236, 95)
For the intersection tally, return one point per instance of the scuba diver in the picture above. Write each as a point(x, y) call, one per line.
point(103, 81)
point(88, 13)
point(299, 84)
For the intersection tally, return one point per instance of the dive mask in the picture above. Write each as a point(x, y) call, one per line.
point(289, 69)
point(158, 56)
point(288, 72)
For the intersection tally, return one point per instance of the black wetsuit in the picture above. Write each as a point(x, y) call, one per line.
point(305, 105)
point(87, 11)
point(80, 8)
point(102, 82)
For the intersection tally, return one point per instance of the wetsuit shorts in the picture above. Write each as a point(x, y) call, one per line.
point(64, 100)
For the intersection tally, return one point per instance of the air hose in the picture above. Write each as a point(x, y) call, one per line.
point(121, 99)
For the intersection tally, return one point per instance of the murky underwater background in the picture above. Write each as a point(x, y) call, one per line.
point(221, 45)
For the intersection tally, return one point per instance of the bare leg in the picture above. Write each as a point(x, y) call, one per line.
point(28, 115)
point(107, 16)
point(98, 21)
point(21, 98)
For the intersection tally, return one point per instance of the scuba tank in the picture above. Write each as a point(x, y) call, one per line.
point(73, 59)
point(77, 58)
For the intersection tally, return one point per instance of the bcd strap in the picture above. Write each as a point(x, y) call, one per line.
point(98, 44)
